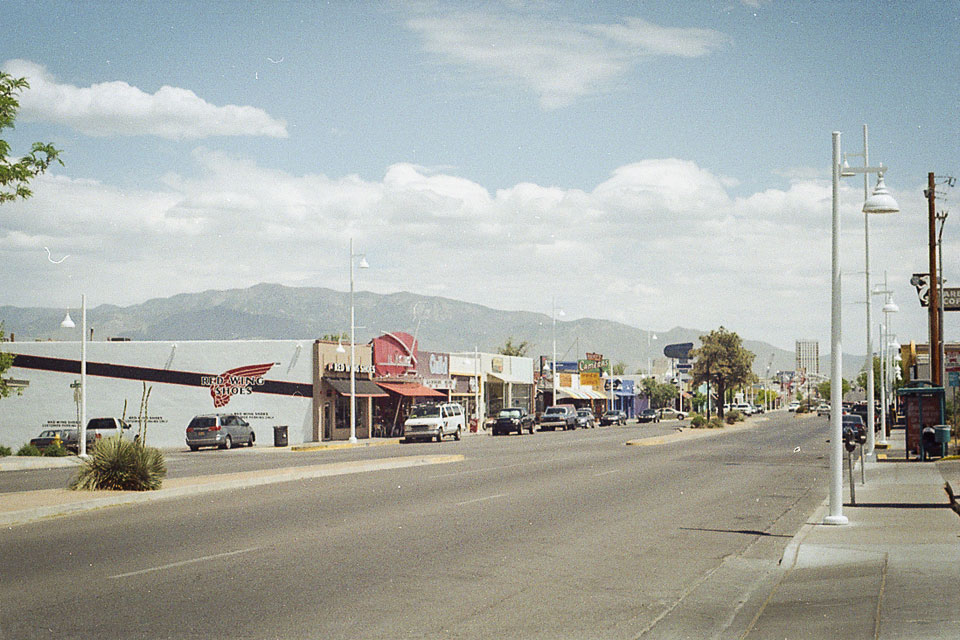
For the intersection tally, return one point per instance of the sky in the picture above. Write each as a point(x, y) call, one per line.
point(656, 163)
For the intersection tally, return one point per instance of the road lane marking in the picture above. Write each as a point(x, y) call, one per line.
point(463, 473)
point(603, 473)
point(499, 495)
point(184, 562)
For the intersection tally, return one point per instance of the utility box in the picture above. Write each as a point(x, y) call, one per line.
point(922, 405)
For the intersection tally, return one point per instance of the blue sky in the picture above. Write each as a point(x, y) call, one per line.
point(657, 163)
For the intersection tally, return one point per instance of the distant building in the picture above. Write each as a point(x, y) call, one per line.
point(808, 357)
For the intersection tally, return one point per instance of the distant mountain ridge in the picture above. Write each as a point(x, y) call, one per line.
point(273, 311)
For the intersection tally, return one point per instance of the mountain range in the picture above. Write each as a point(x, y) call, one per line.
point(273, 311)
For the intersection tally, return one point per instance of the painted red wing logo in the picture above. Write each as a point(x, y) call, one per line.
point(239, 381)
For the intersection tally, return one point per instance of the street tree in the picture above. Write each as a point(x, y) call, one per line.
point(861, 380)
point(15, 175)
point(824, 387)
point(511, 349)
point(6, 361)
point(721, 361)
point(619, 368)
point(661, 394)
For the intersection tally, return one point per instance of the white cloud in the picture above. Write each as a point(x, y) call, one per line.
point(560, 60)
point(117, 108)
point(660, 243)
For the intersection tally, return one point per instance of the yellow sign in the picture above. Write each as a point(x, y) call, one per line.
point(566, 379)
point(589, 379)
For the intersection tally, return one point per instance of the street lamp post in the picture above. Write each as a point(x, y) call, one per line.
point(554, 365)
point(353, 373)
point(880, 202)
point(69, 324)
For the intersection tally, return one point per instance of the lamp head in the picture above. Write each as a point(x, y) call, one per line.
point(340, 348)
point(881, 201)
point(68, 322)
point(364, 264)
point(891, 307)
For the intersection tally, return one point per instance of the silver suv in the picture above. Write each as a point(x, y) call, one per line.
point(221, 430)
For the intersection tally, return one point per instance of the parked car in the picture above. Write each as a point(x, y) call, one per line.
point(586, 419)
point(68, 438)
point(823, 409)
point(613, 417)
point(428, 421)
point(648, 415)
point(100, 428)
point(221, 430)
point(669, 413)
point(855, 423)
point(513, 419)
point(744, 408)
point(563, 416)
point(759, 408)
point(793, 406)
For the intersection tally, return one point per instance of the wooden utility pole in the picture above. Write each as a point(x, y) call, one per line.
point(934, 309)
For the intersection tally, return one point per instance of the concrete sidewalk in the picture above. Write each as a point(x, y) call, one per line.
point(892, 572)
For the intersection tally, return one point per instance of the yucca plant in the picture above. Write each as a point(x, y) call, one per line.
point(5, 451)
point(121, 465)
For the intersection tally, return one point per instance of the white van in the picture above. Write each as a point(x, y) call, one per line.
point(428, 421)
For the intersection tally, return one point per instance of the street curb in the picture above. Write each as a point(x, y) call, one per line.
point(334, 446)
point(792, 551)
point(688, 433)
point(209, 484)
point(31, 463)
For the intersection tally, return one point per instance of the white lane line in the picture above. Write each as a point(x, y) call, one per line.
point(463, 473)
point(603, 473)
point(184, 562)
point(499, 495)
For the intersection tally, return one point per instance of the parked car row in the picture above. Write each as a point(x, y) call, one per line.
point(97, 430)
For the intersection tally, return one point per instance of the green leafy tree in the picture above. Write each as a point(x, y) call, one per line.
point(511, 349)
point(824, 388)
point(336, 337)
point(861, 380)
point(619, 368)
point(722, 361)
point(6, 361)
point(15, 175)
point(661, 394)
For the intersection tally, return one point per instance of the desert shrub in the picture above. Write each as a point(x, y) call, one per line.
point(4, 451)
point(715, 423)
point(28, 450)
point(55, 450)
point(697, 421)
point(733, 416)
point(121, 465)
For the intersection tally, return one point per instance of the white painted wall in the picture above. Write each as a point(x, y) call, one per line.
point(49, 400)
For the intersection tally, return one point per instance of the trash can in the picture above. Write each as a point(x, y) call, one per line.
point(280, 438)
point(942, 436)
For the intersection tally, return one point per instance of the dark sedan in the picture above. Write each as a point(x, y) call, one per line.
point(648, 415)
point(67, 437)
point(514, 419)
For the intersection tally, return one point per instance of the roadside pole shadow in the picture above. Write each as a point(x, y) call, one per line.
point(749, 532)
point(898, 505)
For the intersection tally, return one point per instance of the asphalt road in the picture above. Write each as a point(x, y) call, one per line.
point(556, 535)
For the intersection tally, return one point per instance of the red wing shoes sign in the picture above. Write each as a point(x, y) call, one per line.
point(239, 381)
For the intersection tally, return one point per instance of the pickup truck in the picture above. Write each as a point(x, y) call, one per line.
point(100, 428)
point(562, 416)
point(513, 419)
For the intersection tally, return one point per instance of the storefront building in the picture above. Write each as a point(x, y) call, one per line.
point(332, 399)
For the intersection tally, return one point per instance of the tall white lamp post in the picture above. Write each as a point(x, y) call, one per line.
point(353, 348)
point(880, 202)
point(69, 324)
point(554, 365)
point(888, 308)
